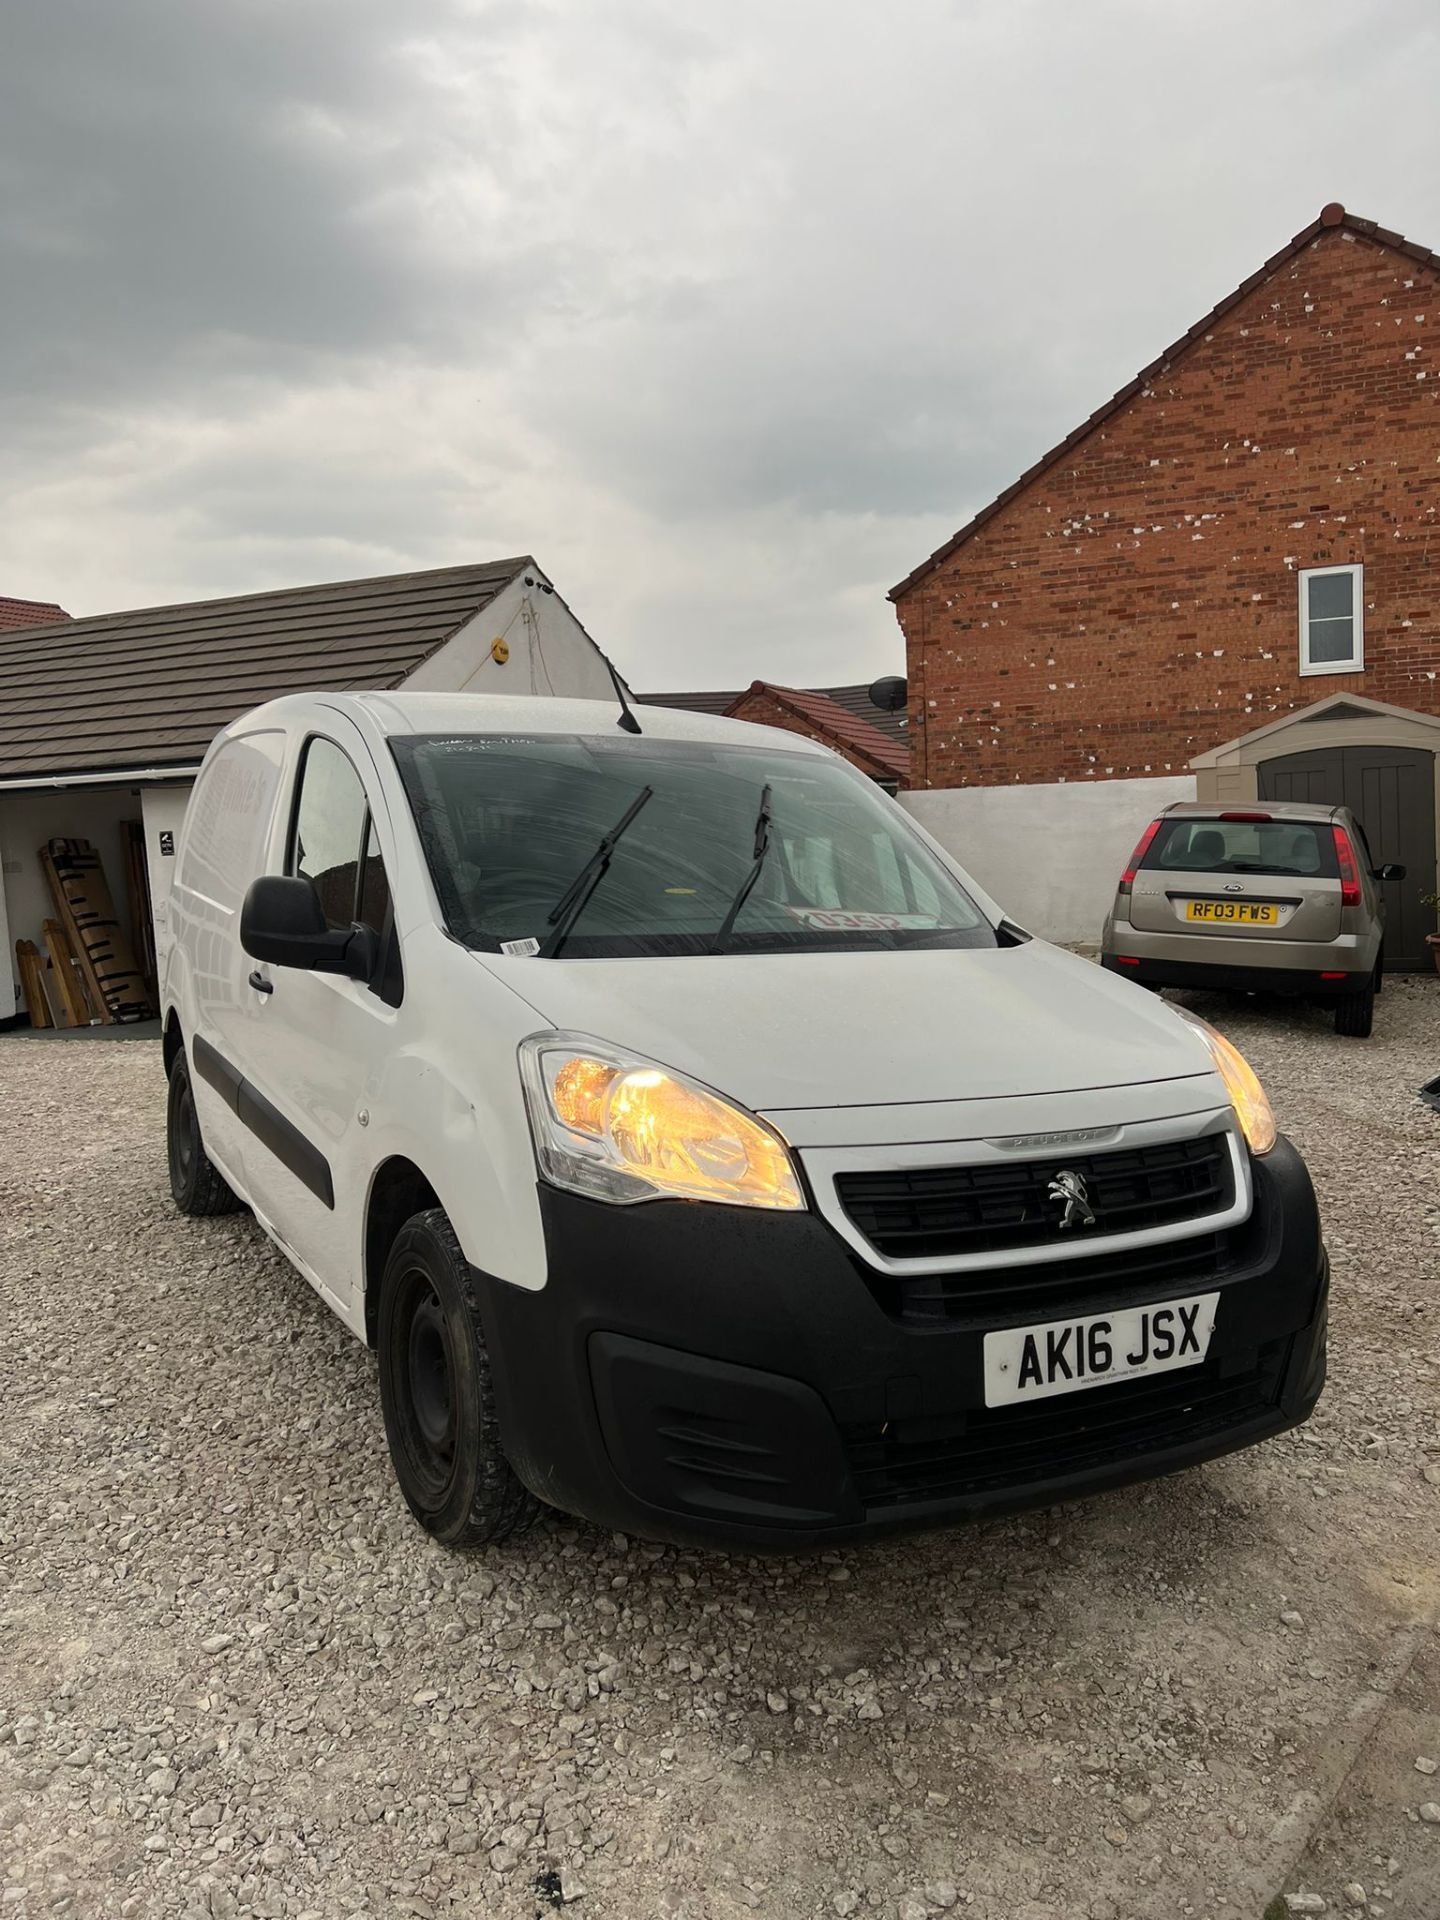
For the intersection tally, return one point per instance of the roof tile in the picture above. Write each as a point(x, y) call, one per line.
point(835, 724)
point(28, 613)
point(153, 685)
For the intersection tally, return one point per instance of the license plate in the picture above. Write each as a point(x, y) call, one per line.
point(1065, 1356)
point(1250, 913)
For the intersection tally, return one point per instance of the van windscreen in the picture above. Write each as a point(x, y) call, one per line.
point(814, 854)
point(1185, 844)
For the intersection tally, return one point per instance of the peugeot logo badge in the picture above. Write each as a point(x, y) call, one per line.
point(1069, 1189)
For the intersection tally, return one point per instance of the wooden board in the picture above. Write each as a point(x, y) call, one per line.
point(82, 896)
point(137, 887)
point(32, 983)
point(68, 982)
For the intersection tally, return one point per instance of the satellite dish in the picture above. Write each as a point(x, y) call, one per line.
point(889, 694)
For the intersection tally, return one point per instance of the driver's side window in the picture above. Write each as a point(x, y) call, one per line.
point(330, 825)
point(333, 845)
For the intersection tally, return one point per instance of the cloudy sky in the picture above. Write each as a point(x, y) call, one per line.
point(729, 313)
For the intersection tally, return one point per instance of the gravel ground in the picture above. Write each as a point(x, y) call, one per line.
point(235, 1679)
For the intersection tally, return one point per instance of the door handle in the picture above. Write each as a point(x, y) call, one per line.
point(260, 983)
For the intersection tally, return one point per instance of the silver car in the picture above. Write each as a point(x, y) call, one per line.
point(1276, 898)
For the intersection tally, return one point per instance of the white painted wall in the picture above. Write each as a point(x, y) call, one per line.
point(549, 651)
point(1051, 854)
point(162, 809)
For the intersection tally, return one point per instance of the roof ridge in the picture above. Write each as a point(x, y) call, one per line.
point(511, 562)
point(1331, 216)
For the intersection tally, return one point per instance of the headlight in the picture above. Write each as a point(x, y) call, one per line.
point(619, 1128)
point(1247, 1096)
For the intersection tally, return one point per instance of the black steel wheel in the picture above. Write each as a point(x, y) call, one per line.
point(438, 1395)
point(196, 1187)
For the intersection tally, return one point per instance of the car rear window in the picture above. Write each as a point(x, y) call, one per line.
point(1298, 847)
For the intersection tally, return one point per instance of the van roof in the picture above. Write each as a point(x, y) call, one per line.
point(492, 713)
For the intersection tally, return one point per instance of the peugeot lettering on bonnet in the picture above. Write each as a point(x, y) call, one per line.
point(702, 1151)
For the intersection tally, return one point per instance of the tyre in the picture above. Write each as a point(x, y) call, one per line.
point(1355, 1013)
point(438, 1396)
point(197, 1189)
point(1380, 972)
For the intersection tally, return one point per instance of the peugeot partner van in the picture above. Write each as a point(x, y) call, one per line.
point(701, 1151)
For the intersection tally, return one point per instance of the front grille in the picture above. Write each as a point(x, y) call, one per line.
point(1004, 1447)
point(936, 1213)
point(1051, 1289)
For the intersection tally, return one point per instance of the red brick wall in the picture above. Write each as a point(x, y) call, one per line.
point(764, 710)
point(1138, 603)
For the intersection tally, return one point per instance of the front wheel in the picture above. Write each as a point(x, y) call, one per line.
point(1355, 1014)
point(438, 1396)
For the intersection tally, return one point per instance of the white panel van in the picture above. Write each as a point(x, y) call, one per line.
point(702, 1152)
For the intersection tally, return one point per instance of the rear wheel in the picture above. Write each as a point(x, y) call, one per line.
point(438, 1396)
point(197, 1189)
point(1355, 1013)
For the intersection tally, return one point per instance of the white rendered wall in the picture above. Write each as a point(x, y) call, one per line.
point(549, 651)
point(162, 809)
point(1051, 855)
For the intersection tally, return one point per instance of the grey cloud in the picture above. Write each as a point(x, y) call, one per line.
point(729, 315)
point(195, 190)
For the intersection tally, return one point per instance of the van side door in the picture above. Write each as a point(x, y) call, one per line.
point(317, 1043)
point(228, 826)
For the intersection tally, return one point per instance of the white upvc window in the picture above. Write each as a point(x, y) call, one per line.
point(1332, 620)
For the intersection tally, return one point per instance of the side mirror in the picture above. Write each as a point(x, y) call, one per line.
point(283, 922)
point(1391, 870)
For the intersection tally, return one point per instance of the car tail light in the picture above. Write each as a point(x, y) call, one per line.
point(1349, 868)
point(1245, 816)
point(1125, 960)
point(1332, 976)
point(1141, 849)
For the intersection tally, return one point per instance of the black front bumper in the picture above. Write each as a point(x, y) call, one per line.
point(718, 1375)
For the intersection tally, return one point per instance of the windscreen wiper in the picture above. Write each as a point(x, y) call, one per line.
point(571, 904)
point(762, 847)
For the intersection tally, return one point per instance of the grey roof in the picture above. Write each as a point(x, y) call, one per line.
point(151, 688)
point(855, 700)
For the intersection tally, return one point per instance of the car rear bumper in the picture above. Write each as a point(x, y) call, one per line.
point(1226, 977)
point(1256, 962)
point(725, 1376)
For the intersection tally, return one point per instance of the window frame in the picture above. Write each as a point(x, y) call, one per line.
point(292, 872)
point(1356, 663)
point(385, 979)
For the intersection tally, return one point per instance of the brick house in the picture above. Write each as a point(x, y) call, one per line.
point(818, 717)
point(842, 718)
point(1247, 530)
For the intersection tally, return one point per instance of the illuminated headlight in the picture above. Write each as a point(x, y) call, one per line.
point(620, 1128)
point(1247, 1096)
